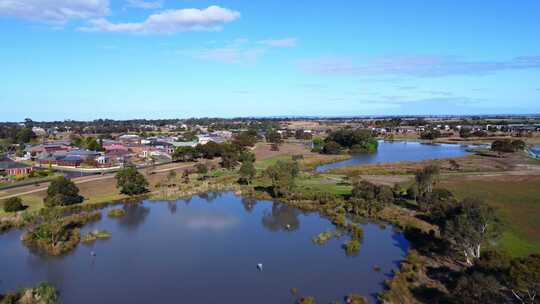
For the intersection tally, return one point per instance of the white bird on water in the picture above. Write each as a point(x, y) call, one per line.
point(260, 266)
point(92, 253)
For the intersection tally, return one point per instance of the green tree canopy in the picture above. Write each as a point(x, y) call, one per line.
point(282, 175)
point(131, 182)
point(62, 192)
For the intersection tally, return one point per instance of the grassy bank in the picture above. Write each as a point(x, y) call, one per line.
point(518, 200)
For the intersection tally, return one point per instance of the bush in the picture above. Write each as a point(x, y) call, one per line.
point(13, 204)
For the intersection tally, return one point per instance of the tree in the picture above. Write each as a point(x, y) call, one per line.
point(274, 137)
point(210, 150)
point(25, 135)
point(282, 175)
point(185, 154)
point(508, 146)
point(468, 226)
point(331, 147)
point(477, 288)
point(229, 157)
point(426, 179)
point(62, 192)
point(245, 139)
point(91, 143)
point(464, 132)
point(358, 140)
point(524, 277)
point(131, 182)
point(430, 134)
point(247, 172)
point(13, 204)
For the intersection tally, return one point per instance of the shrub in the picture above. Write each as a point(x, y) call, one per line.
point(13, 204)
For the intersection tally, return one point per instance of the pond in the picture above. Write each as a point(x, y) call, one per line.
point(206, 250)
point(535, 151)
point(396, 151)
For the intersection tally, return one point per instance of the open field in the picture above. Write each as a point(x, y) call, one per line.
point(95, 189)
point(266, 157)
point(518, 200)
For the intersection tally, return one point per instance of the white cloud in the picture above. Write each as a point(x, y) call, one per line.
point(145, 4)
point(169, 21)
point(285, 42)
point(54, 11)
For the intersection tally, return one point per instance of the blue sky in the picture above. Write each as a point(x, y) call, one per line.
point(87, 59)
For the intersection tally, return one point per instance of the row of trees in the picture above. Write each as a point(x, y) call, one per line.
point(355, 140)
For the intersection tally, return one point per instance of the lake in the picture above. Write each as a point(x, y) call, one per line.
point(205, 250)
point(396, 151)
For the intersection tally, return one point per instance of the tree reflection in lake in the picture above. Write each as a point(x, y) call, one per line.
point(282, 217)
point(209, 197)
point(172, 207)
point(249, 204)
point(135, 216)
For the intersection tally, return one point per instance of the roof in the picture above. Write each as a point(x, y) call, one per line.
point(7, 163)
point(82, 152)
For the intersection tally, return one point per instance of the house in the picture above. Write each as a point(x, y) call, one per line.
point(9, 167)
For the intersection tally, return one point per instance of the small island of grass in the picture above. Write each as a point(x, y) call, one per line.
point(95, 235)
point(116, 213)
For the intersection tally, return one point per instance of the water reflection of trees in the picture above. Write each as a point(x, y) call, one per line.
point(249, 204)
point(209, 197)
point(172, 207)
point(282, 217)
point(135, 215)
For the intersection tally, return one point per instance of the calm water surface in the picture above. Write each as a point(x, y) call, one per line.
point(205, 250)
point(402, 151)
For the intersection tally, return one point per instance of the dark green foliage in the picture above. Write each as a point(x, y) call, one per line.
point(25, 135)
point(210, 150)
point(426, 179)
point(43, 293)
point(62, 192)
point(247, 172)
point(524, 279)
point(508, 146)
point(245, 139)
point(358, 141)
point(185, 154)
point(331, 147)
point(468, 226)
point(368, 191)
point(273, 137)
point(131, 182)
point(282, 175)
point(435, 201)
point(246, 156)
point(13, 204)
point(412, 192)
point(430, 134)
point(465, 133)
point(477, 288)
point(229, 157)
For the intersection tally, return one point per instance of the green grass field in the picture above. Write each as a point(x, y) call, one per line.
point(517, 198)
